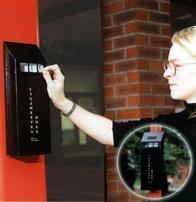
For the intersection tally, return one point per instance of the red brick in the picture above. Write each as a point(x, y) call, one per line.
point(131, 27)
point(111, 156)
point(121, 186)
point(114, 55)
point(134, 113)
point(165, 53)
point(130, 15)
point(152, 5)
point(162, 42)
point(165, 7)
point(111, 150)
point(136, 39)
point(139, 101)
point(124, 17)
point(145, 27)
point(144, 52)
point(140, 64)
point(152, 77)
point(133, 89)
point(111, 162)
point(154, 194)
point(112, 174)
point(110, 166)
point(149, 53)
point(127, 114)
point(125, 66)
point(112, 8)
point(112, 32)
point(141, 14)
point(157, 100)
point(108, 68)
point(166, 30)
point(160, 89)
point(129, 23)
point(168, 101)
point(141, 39)
point(145, 101)
point(110, 114)
point(135, 198)
point(156, 66)
point(124, 41)
point(107, 45)
point(159, 17)
point(107, 21)
point(124, 196)
point(148, 77)
point(113, 79)
point(112, 186)
point(118, 197)
point(155, 128)
point(131, 3)
point(108, 91)
point(132, 52)
point(148, 27)
point(133, 77)
point(134, 101)
point(115, 102)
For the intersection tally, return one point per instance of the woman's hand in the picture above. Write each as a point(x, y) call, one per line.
point(55, 84)
point(98, 127)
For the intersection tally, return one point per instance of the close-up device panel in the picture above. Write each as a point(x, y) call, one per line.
point(27, 102)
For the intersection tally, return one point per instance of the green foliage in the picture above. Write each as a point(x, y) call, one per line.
point(176, 153)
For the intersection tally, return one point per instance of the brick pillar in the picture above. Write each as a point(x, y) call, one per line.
point(136, 39)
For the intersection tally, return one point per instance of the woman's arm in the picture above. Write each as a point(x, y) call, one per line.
point(96, 126)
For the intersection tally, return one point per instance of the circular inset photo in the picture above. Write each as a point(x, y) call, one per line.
point(155, 162)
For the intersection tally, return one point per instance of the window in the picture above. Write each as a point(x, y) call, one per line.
point(70, 35)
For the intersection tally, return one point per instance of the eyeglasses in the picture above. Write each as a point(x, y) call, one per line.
point(173, 65)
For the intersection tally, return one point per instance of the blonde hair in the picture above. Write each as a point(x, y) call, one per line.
point(187, 39)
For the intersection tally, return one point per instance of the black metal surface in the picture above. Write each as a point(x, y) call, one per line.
point(152, 165)
point(27, 102)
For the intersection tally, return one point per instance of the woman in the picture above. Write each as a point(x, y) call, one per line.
point(180, 72)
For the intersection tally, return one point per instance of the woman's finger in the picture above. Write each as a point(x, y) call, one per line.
point(54, 68)
point(47, 77)
point(55, 71)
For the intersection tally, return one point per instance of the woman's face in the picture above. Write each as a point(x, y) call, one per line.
point(183, 84)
